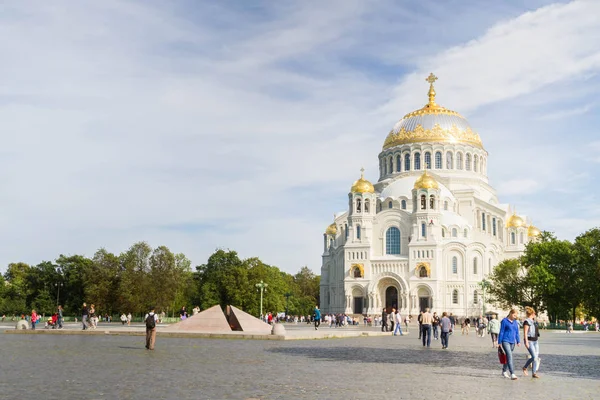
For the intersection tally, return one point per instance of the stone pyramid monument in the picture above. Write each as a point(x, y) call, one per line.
point(242, 321)
point(210, 320)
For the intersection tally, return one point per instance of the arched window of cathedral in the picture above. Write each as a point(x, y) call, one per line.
point(423, 202)
point(454, 232)
point(466, 233)
point(398, 163)
point(521, 237)
point(513, 238)
point(390, 204)
point(494, 226)
point(432, 202)
point(423, 272)
point(455, 296)
point(423, 230)
point(468, 162)
point(490, 266)
point(358, 232)
point(330, 243)
point(459, 161)
point(403, 204)
point(446, 205)
point(427, 160)
point(475, 298)
point(449, 161)
point(380, 206)
point(483, 221)
point(346, 230)
point(475, 266)
point(443, 233)
point(392, 241)
point(367, 205)
point(438, 160)
point(358, 205)
point(476, 163)
point(454, 265)
point(407, 162)
point(391, 165)
point(417, 161)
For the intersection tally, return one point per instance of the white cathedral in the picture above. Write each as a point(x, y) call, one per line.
point(429, 232)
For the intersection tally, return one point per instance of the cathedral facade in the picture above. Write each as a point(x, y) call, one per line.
point(429, 232)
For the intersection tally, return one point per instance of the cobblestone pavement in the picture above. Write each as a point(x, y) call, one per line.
point(111, 367)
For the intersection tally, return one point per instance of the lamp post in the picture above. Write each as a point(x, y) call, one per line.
point(484, 285)
point(58, 286)
point(262, 287)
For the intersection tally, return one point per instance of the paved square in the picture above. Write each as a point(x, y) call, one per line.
point(98, 367)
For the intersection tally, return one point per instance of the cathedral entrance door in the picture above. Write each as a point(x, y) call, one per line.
point(423, 303)
point(391, 299)
point(358, 305)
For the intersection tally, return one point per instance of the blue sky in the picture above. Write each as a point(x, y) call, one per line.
point(201, 125)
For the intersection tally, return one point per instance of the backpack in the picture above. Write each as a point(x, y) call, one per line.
point(150, 322)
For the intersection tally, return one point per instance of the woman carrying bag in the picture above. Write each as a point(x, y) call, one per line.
point(507, 338)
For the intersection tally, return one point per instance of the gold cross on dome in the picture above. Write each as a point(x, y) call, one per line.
point(431, 78)
point(362, 173)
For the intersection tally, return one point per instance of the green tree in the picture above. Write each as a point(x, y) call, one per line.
point(101, 282)
point(73, 270)
point(564, 290)
point(134, 283)
point(587, 259)
point(506, 283)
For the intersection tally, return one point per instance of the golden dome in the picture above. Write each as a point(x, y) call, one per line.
point(426, 181)
point(362, 185)
point(514, 221)
point(532, 231)
point(331, 229)
point(432, 123)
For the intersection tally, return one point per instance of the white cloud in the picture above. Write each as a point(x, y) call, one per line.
point(250, 124)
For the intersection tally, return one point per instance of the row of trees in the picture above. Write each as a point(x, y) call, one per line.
point(142, 277)
point(557, 276)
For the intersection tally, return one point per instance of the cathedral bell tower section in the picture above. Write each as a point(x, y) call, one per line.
point(362, 202)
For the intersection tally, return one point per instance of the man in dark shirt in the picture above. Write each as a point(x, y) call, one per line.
point(84, 316)
point(384, 317)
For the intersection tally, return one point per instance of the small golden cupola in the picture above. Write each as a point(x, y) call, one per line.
point(426, 181)
point(514, 221)
point(362, 185)
point(533, 231)
point(331, 230)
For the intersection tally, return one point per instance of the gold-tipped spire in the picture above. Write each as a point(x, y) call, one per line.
point(431, 79)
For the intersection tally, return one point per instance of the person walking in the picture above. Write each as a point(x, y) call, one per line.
point(435, 325)
point(151, 320)
point(507, 338)
point(446, 328)
point(34, 318)
point(426, 320)
point(59, 315)
point(84, 316)
point(92, 317)
point(406, 321)
point(398, 319)
point(384, 323)
point(494, 329)
point(531, 334)
point(317, 318)
point(420, 321)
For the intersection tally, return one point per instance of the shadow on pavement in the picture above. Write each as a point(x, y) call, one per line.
point(574, 366)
